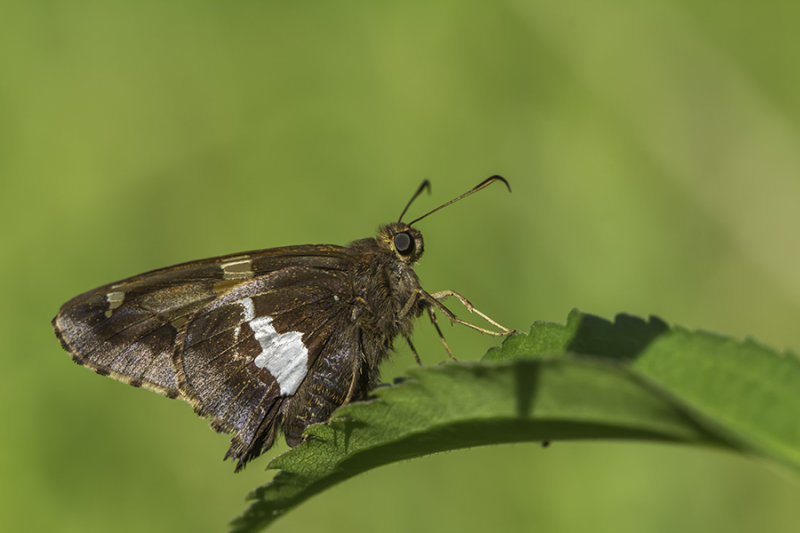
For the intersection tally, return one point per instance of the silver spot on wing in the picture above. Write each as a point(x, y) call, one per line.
point(249, 309)
point(282, 354)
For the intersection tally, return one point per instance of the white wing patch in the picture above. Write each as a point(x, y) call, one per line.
point(282, 354)
point(249, 309)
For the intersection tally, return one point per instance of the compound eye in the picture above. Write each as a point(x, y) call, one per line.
point(403, 243)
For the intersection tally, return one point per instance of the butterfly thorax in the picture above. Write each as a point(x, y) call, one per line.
point(383, 282)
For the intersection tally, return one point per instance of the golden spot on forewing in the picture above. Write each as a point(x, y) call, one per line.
point(237, 269)
point(179, 322)
point(114, 299)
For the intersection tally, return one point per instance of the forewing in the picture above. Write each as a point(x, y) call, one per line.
point(249, 351)
point(129, 329)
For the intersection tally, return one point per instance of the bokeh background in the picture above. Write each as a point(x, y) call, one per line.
point(654, 156)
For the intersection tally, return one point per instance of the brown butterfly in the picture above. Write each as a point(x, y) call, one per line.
point(263, 339)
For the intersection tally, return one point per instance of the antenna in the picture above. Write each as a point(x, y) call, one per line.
point(425, 185)
point(482, 185)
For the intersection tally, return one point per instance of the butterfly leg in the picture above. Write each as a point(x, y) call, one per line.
point(413, 350)
point(455, 320)
point(409, 305)
point(439, 331)
point(412, 301)
point(441, 295)
point(353, 380)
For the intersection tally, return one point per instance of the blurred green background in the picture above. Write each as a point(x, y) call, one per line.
point(654, 156)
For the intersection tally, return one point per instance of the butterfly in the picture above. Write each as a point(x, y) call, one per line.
point(267, 339)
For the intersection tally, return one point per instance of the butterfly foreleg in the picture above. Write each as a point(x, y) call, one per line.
point(436, 300)
point(410, 303)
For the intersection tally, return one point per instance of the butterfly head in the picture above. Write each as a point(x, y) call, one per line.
point(402, 240)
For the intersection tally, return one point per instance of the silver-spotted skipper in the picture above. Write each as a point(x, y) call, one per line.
point(263, 339)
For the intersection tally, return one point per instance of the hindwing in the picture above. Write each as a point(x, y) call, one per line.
point(243, 358)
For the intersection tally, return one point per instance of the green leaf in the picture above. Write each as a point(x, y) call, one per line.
point(748, 395)
point(588, 379)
